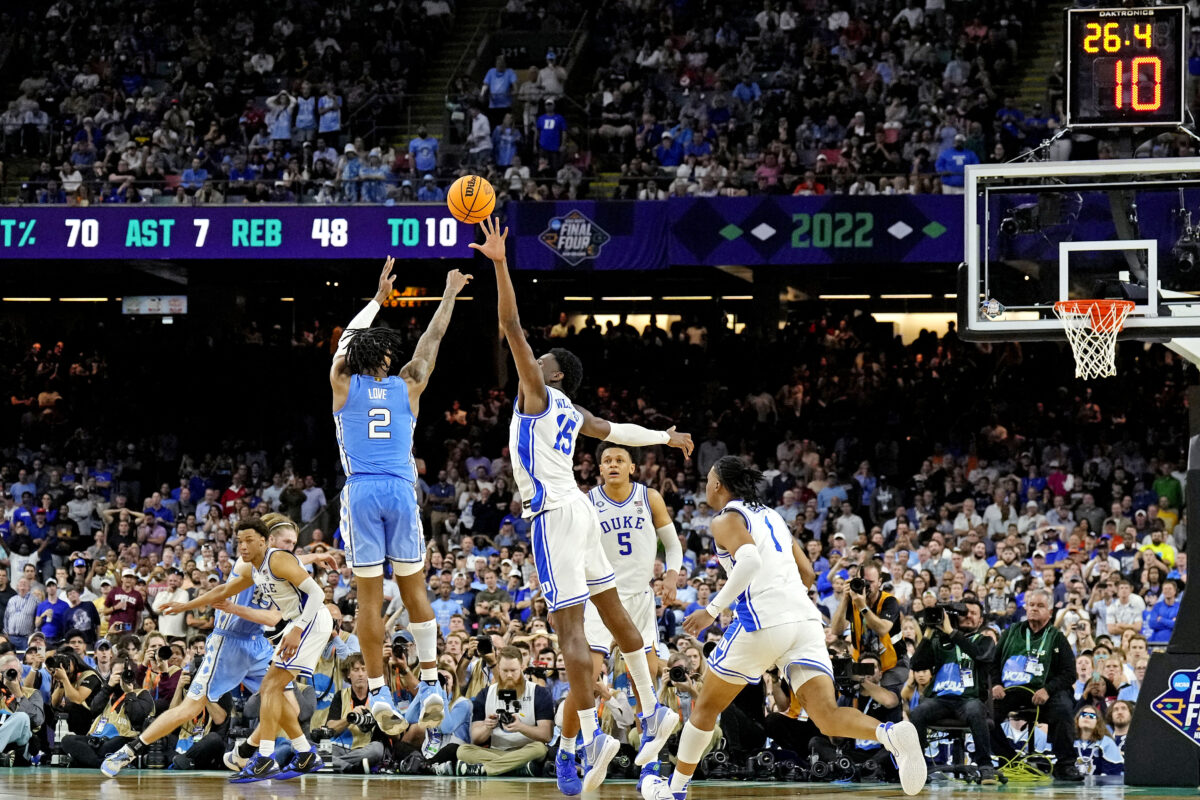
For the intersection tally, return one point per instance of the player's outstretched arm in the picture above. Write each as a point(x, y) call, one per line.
point(731, 535)
point(417, 371)
point(235, 584)
point(633, 435)
point(260, 616)
point(531, 392)
point(339, 376)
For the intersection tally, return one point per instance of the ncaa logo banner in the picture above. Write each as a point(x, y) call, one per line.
point(1179, 706)
point(574, 237)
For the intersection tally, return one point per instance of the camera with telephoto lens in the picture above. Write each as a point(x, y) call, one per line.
point(512, 706)
point(362, 718)
point(848, 674)
point(129, 673)
point(164, 653)
point(483, 645)
point(11, 674)
point(858, 586)
point(197, 660)
point(678, 674)
point(538, 673)
point(931, 617)
point(58, 662)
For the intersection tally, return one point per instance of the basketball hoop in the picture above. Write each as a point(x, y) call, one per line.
point(1092, 327)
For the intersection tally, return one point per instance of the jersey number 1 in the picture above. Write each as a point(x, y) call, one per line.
point(380, 419)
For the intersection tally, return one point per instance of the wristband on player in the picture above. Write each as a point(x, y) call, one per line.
point(713, 610)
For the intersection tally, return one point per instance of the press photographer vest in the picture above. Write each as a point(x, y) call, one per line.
point(886, 650)
point(112, 721)
point(194, 730)
point(956, 676)
point(502, 739)
point(352, 737)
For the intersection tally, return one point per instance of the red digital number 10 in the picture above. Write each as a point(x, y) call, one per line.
point(1137, 103)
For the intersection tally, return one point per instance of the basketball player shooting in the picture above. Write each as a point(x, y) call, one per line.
point(375, 406)
point(570, 562)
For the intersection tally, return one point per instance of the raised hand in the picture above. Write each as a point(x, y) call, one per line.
point(683, 441)
point(386, 281)
point(456, 281)
point(493, 243)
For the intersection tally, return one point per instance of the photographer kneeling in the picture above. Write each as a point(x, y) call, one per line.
point(22, 711)
point(1035, 667)
point(957, 658)
point(352, 729)
point(861, 686)
point(511, 723)
point(122, 709)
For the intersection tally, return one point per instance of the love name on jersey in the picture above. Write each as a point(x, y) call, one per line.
point(375, 393)
point(630, 522)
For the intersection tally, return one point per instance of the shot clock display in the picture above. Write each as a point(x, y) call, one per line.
point(1125, 66)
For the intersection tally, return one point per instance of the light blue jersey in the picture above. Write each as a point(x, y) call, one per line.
point(381, 517)
point(375, 429)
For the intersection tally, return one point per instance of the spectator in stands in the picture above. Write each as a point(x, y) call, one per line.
point(552, 78)
point(430, 192)
point(424, 151)
point(479, 139)
point(552, 131)
point(497, 90)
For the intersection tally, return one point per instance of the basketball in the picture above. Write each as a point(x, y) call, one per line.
point(471, 199)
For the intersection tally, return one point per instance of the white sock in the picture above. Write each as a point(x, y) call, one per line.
point(882, 737)
point(567, 745)
point(679, 782)
point(300, 744)
point(589, 725)
point(425, 637)
point(374, 683)
point(429, 675)
point(266, 748)
point(639, 673)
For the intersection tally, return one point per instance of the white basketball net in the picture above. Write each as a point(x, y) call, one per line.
point(1092, 327)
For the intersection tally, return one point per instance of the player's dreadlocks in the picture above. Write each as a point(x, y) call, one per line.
point(368, 349)
point(739, 479)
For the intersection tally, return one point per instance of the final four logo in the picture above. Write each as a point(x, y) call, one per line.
point(1180, 704)
point(574, 237)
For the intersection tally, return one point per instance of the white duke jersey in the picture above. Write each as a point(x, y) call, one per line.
point(776, 595)
point(628, 537)
point(543, 447)
point(280, 592)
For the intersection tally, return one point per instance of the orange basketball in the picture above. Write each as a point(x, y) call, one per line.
point(471, 199)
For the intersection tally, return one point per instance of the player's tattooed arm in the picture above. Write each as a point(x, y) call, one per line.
point(418, 370)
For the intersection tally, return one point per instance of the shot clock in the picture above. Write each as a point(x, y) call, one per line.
point(1124, 66)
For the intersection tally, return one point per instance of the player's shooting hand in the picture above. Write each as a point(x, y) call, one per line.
point(455, 281)
point(683, 441)
point(289, 644)
point(493, 242)
point(386, 280)
point(697, 621)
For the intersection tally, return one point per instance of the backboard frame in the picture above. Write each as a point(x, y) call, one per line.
point(1149, 322)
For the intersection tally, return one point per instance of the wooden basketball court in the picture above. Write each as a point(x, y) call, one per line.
point(73, 784)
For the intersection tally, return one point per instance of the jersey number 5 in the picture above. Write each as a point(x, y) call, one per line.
point(566, 427)
point(377, 427)
point(625, 544)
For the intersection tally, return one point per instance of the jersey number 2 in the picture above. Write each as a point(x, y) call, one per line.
point(566, 427)
point(380, 419)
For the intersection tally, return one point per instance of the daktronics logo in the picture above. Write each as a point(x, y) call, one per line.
point(1179, 706)
point(1128, 12)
